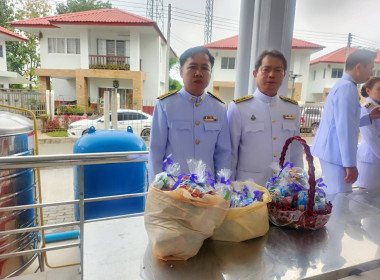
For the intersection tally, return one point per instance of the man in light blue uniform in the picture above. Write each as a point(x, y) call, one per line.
point(190, 123)
point(336, 141)
point(261, 123)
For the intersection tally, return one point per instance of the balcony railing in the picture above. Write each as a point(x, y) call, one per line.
point(109, 62)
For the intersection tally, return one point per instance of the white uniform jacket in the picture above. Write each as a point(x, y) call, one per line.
point(259, 126)
point(369, 147)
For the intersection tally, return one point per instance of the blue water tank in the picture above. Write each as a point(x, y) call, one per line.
point(110, 179)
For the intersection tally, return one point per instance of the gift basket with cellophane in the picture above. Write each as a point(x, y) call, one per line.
point(298, 200)
point(182, 210)
point(247, 216)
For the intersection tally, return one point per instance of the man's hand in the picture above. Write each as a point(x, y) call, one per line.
point(375, 113)
point(351, 175)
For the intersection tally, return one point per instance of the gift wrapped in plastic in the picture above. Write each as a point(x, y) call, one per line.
point(182, 211)
point(298, 200)
point(247, 217)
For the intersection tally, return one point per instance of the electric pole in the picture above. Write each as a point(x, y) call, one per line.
point(208, 20)
point(155, 11)
point(349, 41)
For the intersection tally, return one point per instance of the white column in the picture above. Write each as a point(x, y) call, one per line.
point(52, 104)
point(135, 51)
point(244, 48)
point(48, 103)
point(273, 29)
point(84, 48)
point(106, 109)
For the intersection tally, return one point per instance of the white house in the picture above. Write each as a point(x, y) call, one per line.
point(327, 69)
point(8, 77)
point(83, 53)
point(224, 71)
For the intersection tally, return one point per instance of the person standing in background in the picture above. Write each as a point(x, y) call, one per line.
point(368, 156)
point(335, 143)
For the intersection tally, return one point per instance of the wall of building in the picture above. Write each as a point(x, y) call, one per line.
point(150, 51)
point(60, 60)
point(64, 89)
point(320, 78)
point(3, 59)
point(299, 65)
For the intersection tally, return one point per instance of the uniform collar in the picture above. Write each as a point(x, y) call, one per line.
point(191, 97)
point(369, 99)
point(265, 98)
point(348, 78)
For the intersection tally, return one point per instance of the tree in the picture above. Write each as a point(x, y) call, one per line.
point(73, 6)
point(23, 57)
point(173, 66)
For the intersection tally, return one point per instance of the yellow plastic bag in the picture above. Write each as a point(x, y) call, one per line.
point(247, 222)
point(177, 223)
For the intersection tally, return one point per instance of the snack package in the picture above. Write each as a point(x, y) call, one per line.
point(184, 212)
point(247, 217)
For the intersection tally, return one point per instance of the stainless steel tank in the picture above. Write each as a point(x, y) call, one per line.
point(17, 187)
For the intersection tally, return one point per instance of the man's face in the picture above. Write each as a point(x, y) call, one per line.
point(196, 73)
point(270, 75)
point(365, 72)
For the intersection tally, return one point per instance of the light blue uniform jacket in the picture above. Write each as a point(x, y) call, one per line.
point(337, 136)
point(189, 127)
point(369, 147)
point(259, 129)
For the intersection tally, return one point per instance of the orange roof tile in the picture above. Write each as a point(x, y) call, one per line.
point(231, 43)
point(94, 17)
point(338, 56)
point(11, 34)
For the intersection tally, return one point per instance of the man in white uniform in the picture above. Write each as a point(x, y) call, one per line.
point(261, 123)
point(335, 143)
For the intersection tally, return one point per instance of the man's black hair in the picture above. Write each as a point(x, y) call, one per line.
point(361, 56)
point(271, 52)
point(193, 51)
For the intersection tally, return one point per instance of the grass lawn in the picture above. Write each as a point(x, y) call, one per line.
point(58, 134)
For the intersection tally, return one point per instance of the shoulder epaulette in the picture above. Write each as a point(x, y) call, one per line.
point(287, 99)
point(369, 105)
point(217, 98)
point(170, 93)
point(244, 98)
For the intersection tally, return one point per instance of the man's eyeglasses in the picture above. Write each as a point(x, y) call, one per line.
point(276, 71)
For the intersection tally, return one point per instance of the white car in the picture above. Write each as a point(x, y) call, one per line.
point(138, 120)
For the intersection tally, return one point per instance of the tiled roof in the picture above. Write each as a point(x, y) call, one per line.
point(11, 34)
point(231, 43)
point(301, 44)
point(94, 17)
point(338, 56)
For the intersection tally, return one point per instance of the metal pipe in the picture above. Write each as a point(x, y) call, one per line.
point(28, 252)
point(10, 162)
point(21, 230)
point(81, 214)
point(60, 236)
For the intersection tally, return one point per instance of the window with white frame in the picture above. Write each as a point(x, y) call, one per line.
point(64, 45)
point(228, 63)
point(315, 74)
point(336, 73)
point(324, 73)
point(1, 50)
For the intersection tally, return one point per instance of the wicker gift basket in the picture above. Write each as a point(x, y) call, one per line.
point(282, 215)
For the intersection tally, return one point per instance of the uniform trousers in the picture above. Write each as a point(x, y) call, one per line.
point(334, 178)
point(369, 175)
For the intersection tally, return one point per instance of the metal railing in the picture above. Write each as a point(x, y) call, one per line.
point(80, 160)
point(26, 99)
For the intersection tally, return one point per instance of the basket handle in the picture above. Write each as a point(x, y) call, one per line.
point(310, 172)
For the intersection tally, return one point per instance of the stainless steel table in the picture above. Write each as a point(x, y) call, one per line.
point(119, 249)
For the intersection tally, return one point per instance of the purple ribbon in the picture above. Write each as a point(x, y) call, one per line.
point(167, 162)
point(223, 181)
point(256, 195)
